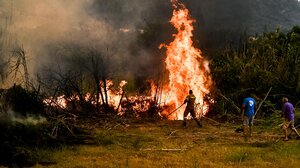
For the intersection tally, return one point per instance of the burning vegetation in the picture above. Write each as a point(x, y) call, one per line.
point(186, 70)
point(83, 87)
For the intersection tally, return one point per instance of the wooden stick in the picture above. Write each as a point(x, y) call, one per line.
point(262, 101)
point(176, 109)
point(172, 149)
point(231, 102)
point(172, 133)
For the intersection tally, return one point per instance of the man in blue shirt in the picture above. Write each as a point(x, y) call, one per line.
point(247, 115)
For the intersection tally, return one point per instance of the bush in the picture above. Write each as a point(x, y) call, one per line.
point(22, 102)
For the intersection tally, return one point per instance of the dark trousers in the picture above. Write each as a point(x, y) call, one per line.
point(193, 114)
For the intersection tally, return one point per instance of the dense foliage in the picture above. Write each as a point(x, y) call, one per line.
point(254, 66)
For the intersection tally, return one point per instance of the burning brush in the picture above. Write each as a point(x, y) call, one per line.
point(188, 70)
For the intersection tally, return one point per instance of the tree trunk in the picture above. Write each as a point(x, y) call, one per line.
point(105, 92)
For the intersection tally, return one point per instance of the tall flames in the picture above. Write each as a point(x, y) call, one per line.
point(187, 68)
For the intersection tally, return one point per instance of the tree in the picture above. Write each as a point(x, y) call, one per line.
point(18, 58)
point(79, 71)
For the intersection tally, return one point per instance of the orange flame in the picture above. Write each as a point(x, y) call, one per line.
point(187, 68)
point(113, 97)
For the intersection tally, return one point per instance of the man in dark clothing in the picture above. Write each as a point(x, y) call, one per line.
point(288, 111)
point(190, 108)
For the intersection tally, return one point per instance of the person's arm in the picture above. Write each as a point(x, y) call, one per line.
point(255, 108)
point(186, 100)
point(294, 110)
point(242, 112)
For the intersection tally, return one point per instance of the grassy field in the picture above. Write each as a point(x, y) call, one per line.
point(167, 144)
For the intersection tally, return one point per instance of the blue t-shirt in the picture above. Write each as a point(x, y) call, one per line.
point(249, 104)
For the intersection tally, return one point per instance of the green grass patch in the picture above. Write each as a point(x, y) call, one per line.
point(167, 144)
point(240, 156)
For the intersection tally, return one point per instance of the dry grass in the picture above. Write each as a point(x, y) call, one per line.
point(167, 144)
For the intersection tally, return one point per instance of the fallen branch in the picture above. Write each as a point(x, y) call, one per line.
point(172, 149)
point(69, 129)
point(172, 133)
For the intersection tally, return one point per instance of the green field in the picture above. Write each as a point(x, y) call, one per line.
point(167, 144)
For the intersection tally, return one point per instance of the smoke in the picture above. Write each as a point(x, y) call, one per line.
point(41, 27)
point(26, 120)
point(37, 24)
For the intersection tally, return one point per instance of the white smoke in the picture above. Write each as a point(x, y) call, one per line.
point(35, 25)
point(28, 120)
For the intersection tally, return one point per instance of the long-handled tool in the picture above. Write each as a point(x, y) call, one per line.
point(176, 109)
point(262, 101)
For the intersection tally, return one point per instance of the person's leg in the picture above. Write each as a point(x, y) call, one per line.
point(185, 114)
point(250, 125)
point(245, 125)
point(286, 134)
point(198, 122)
point(285, 130)
point(193, 114)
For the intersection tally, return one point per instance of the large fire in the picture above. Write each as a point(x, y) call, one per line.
point(187, 68)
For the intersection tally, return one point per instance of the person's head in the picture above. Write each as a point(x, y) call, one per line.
point(284, 100)
point(245, 95)
point(190, 92)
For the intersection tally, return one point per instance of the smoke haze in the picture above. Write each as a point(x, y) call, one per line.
point(43, 26)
